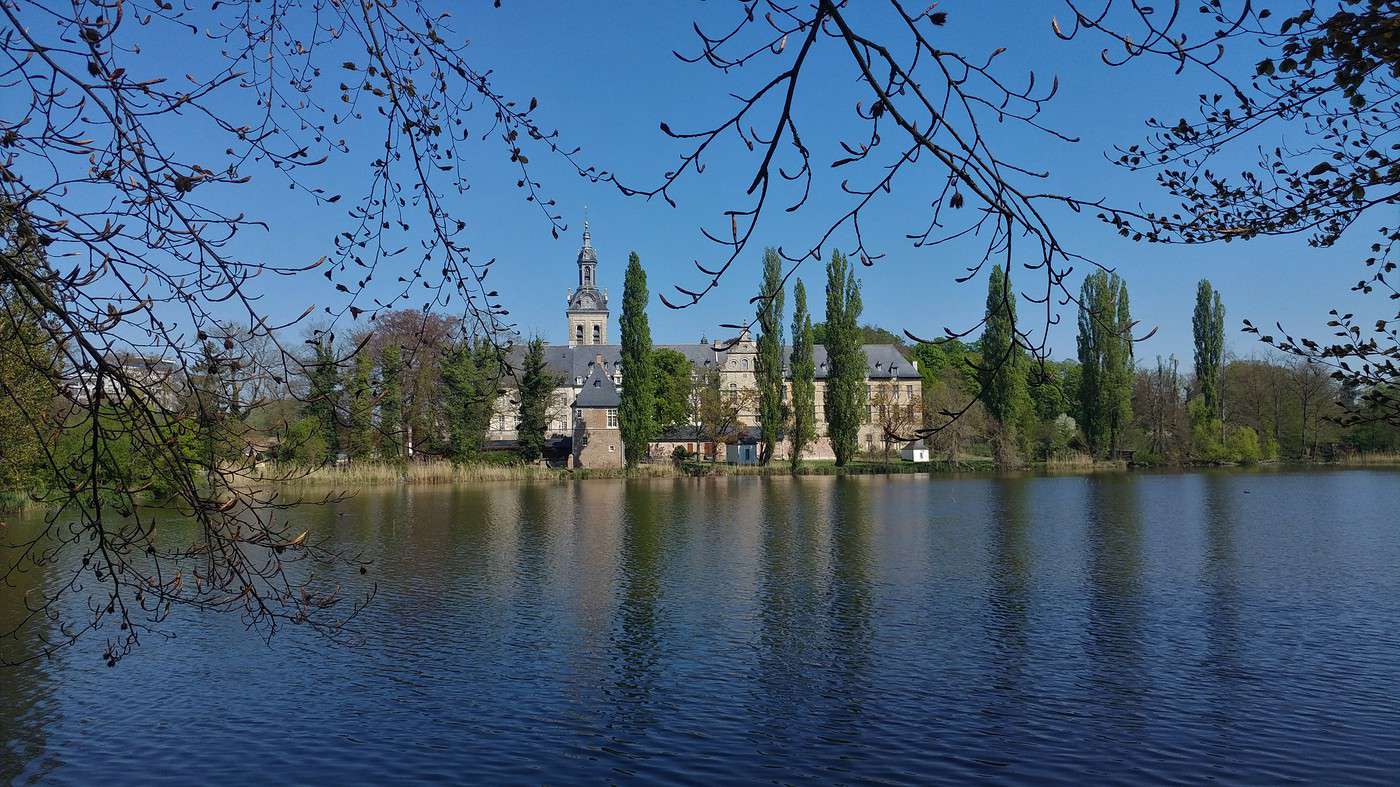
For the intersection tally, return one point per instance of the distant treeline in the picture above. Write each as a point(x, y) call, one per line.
point(417, 388)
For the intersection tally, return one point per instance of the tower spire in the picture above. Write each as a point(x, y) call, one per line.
point(588, 305)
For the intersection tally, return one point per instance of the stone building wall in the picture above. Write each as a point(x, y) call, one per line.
point(596, 444)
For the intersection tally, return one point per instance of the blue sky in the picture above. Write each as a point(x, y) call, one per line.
point(604, 75)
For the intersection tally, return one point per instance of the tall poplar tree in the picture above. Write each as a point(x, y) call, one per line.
point(391, 403)
point(636, 412)
point(771, 409)
point(845, 359)
point(1106, 360)
point(1208, 331)
point(804, 372)
point(536, 389)
point(1003, 371)
point(1122, 368)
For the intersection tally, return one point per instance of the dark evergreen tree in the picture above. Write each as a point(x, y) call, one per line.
point(468, 398)
point(1002, 374)
point(804, 371)
point(323, 392)
point(1208, 332)
point(845, 359)
point(537, 386)
point(772, 411)
point(360, 390)
point(636, 412)
point(391, 443)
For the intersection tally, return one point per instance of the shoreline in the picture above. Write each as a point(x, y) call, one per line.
point(441, 473)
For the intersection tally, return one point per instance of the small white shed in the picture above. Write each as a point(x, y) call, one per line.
point(915, 451)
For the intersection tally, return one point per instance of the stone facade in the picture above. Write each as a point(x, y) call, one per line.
point(892, 380)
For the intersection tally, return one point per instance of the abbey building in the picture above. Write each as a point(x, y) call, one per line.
point(584, 410)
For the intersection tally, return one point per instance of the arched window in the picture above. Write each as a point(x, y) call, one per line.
point(597, 334)
point(578, 333)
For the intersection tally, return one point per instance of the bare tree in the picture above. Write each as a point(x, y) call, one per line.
point(1313, 387)
point(922, 107)
point(899, 414)
point(950, 421)
point(115, 179)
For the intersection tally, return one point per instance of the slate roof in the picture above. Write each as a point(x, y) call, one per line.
point(577, 363)
point(682, 434)
point(880, 360)
point(598, 390)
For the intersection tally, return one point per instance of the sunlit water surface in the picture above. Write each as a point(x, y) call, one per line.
point(1132, 628)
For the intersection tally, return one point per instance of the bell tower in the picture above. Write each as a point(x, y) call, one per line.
point(588, 306)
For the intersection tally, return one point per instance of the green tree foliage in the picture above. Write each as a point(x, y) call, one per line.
point(1046, 388)
point(674, 374)
point(952, 355)
point(1002, 375)
point(636, 412)
point(323, 392)
point(537, 386)
point(845, 359)
point(391, 442)
point(304, 443)
point(469, 396)
point(804, 372)
point(1121, 370)
point(772, 411)
point(28, 365)
point(137, 456)
point(359, 388)
point(1105, 361)
point(1208, 333)
point(869, 334)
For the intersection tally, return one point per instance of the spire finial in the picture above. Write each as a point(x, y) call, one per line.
point(586, 237)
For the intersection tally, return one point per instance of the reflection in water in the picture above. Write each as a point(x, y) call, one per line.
point(1116, 611)
point(1220, 574)
point(852, 606)
point(1009, 575)
point(1044, 630)
point(636, 643)
point(534, 571)
point(26, 690)
point(789, 605)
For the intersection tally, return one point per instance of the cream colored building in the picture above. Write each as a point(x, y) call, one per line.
point(589, 365)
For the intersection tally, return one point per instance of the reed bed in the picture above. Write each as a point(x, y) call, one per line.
point(1369, 458)
point(1082, 463)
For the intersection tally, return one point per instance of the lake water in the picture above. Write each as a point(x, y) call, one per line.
point(1232, 627)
